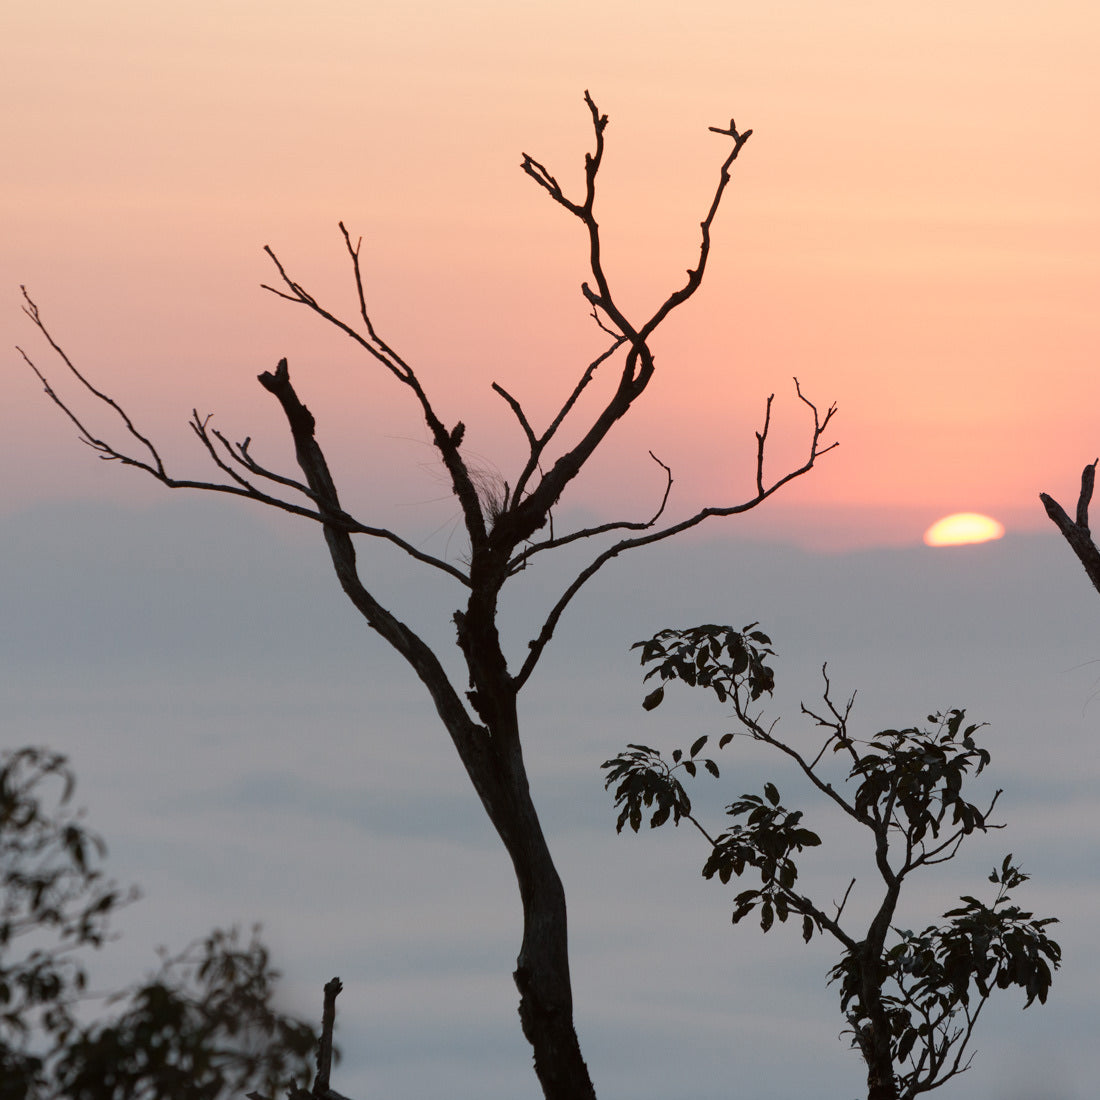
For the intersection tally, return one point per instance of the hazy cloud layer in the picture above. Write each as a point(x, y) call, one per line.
point(250, 751)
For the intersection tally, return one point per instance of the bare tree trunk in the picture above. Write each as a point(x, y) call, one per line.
point(542, 969)
point(875, 1040)
point(1077, 533)
point(493, 759)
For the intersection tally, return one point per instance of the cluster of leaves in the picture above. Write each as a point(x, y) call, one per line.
point(54, 895)
point(765, 841)
point(913, 777)
point(951, 969)
point(202, 1026)
point(647, 781)
point(727, 661)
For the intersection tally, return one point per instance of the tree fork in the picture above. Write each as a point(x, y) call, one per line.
point(1076, 532)
point(497, 770)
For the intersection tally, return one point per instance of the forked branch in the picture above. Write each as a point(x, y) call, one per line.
point(446, 442)
point(638, 365)
point(538, 444)
point(154, 464)
point(816, 450)
point(553, 542)
point(1076, 532)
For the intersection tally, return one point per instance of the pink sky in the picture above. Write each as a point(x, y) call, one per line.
point(912, 230)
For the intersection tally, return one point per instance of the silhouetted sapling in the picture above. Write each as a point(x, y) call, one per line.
point(911, 999)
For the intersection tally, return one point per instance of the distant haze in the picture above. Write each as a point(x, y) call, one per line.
point(251, 751)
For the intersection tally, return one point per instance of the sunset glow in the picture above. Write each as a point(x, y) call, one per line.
point(963, 528)
point(918, 292)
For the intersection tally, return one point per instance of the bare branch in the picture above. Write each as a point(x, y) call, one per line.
point(698, 825)
point(765, 735)
point(838, 723)
point(520, 560)
point(469, 738)
point(946, 849)
point(1088, 480)
point(761, 439)
point(155, 468)
point(514, 405)
point(31, 310)
point(239, 453)
point(539, 643)
point(695, 275)
point(802, 904)
point(378, 349)
point(545, 180)
point(328, 1022)
point(353, 252)
point(1077, 534)
point(321, 1089)
point(199, 425)
point(844, 900)
point(445, 441)
point(638, 367)
point(537, 446)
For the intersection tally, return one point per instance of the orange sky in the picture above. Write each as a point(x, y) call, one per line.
point(912, 230)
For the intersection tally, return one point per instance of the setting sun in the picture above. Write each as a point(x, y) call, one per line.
point(962, 528)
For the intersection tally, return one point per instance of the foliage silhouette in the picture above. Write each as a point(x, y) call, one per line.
point(911, 999)
point(201, 1027)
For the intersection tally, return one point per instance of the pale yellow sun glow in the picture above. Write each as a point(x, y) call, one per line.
point(962, 528)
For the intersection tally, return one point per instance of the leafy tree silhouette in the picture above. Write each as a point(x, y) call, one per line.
point(911, 999)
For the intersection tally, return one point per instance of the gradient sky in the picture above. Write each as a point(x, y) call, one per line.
point(912, 230)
